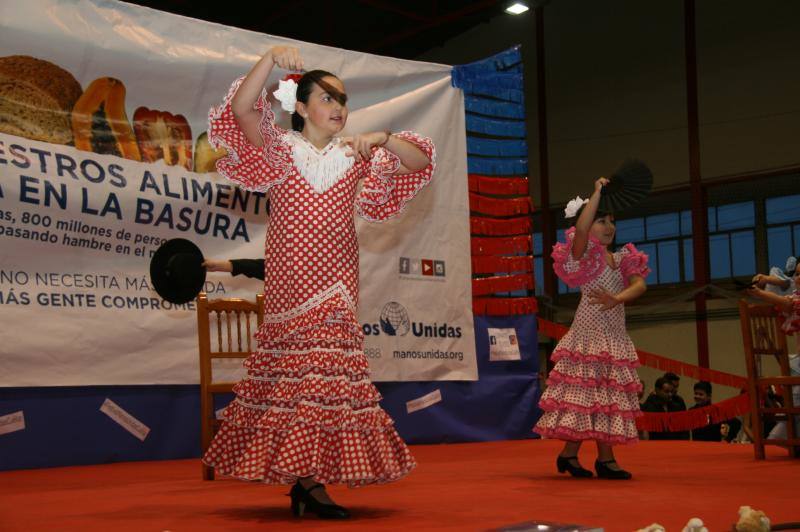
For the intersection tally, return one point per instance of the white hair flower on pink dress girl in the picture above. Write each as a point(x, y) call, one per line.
point(287, 92)
point(574, 206)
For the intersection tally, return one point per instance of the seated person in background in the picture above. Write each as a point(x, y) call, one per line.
point(660, 401)
point(746, 433)
point(679, 404)
point(775, 429)
point(675, 380)
point(726, 430)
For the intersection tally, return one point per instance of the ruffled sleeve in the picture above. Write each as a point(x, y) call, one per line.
point(578, 272)
point(791, 317)
point(384, 193)
point(251, 167)
point(632, 262)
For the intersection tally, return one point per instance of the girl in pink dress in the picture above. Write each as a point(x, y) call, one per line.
point(592, 392)
point(307, 413)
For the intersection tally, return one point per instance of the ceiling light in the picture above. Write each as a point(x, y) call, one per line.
point(516, 8)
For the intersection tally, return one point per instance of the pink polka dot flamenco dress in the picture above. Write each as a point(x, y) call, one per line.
point(592, 391)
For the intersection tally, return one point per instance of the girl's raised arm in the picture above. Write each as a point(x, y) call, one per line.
point(243, 103)
point(586, 219)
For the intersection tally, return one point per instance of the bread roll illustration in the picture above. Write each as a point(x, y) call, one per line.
point(36, 99)
point(205, 157)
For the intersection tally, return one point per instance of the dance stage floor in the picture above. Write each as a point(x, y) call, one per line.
point(477, 486)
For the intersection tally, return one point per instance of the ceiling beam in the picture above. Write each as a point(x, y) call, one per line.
point(277, 14)
point(433, 23)
point(386, 6)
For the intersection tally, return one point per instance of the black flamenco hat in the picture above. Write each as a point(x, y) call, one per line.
point(629, 185)
point(176, 271)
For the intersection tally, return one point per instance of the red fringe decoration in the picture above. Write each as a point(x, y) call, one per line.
point(694, 419)
point(689, 370)
point(499, 186)
point(504, 306)
point(501, 283)
point(493, 264)
point(554, 330)
point(511, 226)
point(502, 246)
point(499, 206)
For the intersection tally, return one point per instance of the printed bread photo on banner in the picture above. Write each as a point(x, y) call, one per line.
point(100, 123)
point(206, 156)
point(162, 135)
point(40, 100)
point(36, 99)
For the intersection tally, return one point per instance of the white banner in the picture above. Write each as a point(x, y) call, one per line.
point(90, 187)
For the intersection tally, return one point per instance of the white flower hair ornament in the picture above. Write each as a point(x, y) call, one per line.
point(573, 206)
point(287, 92)
point(791, 266)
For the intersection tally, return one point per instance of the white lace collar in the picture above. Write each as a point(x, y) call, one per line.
point(320, 168)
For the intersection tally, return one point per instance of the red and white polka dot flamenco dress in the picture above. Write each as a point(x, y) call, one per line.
point(592, 391)
point(307, 406)
point(791, 317)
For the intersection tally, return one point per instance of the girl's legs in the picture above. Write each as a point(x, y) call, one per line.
point(570, 450)
point(607, 466)
point(309, 496)
point(319, 494)
point(605, 453)
point(567, 460)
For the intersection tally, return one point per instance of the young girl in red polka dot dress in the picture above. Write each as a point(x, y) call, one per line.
point(307, 413)
point(592, 391)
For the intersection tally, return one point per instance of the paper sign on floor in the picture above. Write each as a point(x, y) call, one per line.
point(125, 420)
point(12, 422)
point(424, 402)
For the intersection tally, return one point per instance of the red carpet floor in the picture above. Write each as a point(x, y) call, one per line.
point(477, 486)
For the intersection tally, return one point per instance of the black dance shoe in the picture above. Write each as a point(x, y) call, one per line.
point(303, 501)
point(603, 471)
point(563, 464)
